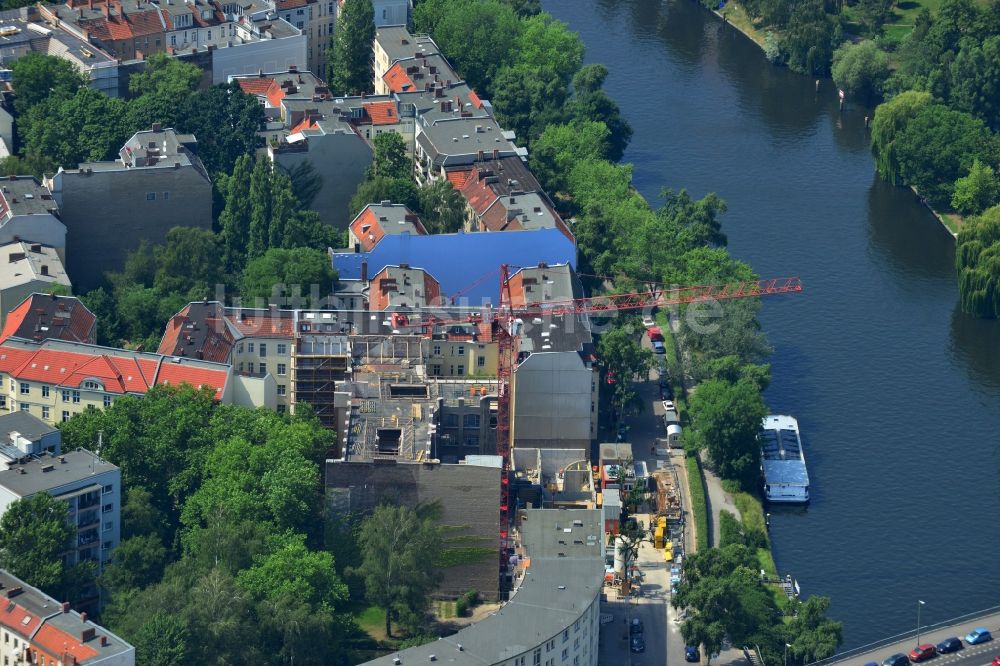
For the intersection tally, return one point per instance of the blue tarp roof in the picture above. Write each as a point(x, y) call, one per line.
point(458, 260)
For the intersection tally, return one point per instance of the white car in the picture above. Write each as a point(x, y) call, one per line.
point(647, 321)
point(668, 406)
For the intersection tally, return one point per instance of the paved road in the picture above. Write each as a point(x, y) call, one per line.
point(717, 500)
point(971, 655)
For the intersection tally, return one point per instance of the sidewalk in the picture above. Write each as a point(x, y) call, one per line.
point(717, 499)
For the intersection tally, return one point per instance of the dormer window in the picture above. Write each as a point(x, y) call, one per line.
point(91, 386)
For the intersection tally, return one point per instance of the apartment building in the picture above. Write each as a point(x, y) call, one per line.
point(377, 220)
point(553, 615)
point(108, 208)
point(402, 287)
point(38, 629)
point(394, 43)
point(29, 213)
point(32, 461)
point(55, 379)
point(26, 268)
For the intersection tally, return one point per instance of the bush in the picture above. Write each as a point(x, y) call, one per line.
point(699, 506)
point(730, 529)
point(466, 602)
point(861, 70)
point(976, 191)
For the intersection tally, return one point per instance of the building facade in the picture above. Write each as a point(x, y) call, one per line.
point(109, 207)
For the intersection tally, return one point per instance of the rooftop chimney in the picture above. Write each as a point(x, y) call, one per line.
point(157, 127)
point(65, 607)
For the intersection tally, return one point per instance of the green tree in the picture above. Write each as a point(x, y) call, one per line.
point(137, 562)
point(351, 49)
point(481, 37)
point(35, 165)
point(726, 418)
point(977, 190)
point(808, 38)
point(545, 43)
point(590, 103)
point(528, 99)
point(391, 160)
point(621, 354)
point(234, 220)
point(977, 258)
point(166, 76)
point(441, 207)
point(225, 120)
point(561, 146)
point(261, 203)
point(34, 534)
point(891, 118)
point(163, 641)
point(37, 77)
point(188, 262)
point(396, 190)
point(975, 80)
point(811, 634)
point(301, 274)
point(84, 127)
point(399, 547)
point(937, 146)
point(861, 69)
point(873, 14)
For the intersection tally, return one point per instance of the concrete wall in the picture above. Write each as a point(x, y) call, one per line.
point(340, 160)
point(469, 498)
point(43, 228)
point(391, 12)
point(107, 214)
point(552, 402)
point(252, 391)
point(268, 55)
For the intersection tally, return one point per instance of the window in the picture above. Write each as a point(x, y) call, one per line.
point(209, 35)
point(263, 350)
point(300, 12)
point(107, 508)
point(281, 369)
point(281, 389)
point(281, 409)
point(451, 420)
point(25, 388)
point(3, 402)
point(461, 369)
point(481, 362)
point(45, 391)
point(109, 525)
point(65, 416)
point(282, 349)
point(471, 420)
point(249, 347)
point(437, 350)
point(263, 368)
point(173, 40)
point(106, 545)
point(24, 407)
point(108, 489)
point(76, 396)
point(166, 195)
point(461, 350)
point(239, 348)
point(150, 196)
point(435, 371)
point(107, 401)
point(45, 413)
point(298, 24)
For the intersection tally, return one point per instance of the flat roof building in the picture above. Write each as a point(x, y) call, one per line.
point(26, 268)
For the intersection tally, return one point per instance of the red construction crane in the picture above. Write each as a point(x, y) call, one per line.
point(505, 330)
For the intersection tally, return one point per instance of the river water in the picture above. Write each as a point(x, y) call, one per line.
point(897, 392)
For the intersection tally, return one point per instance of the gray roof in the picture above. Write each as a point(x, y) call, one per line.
point(550, 283)
point(397, 42)
point(458, 140)
point(70, 467)
point(37, 262)
point(561, 582)
point(24, 424)
point(556, 334)
point(24, 195)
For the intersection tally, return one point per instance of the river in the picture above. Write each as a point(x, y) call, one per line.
point(896, 391)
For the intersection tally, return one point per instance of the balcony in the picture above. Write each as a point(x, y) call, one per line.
point(88, 538)
point(89, 519)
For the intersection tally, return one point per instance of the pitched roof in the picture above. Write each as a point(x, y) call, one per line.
point(382, 113)
point(198, 330)
point(42, 316)
point(56, 641)
point(262, 323)
point(16, 618)
point(255, 86)
point(459, 177)
point(397, 79)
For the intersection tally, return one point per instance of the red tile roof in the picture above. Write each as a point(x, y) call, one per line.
point(382, 113)
point(41, 316)
point(307, 124)
point(129, 26)
point(55, 641)
point(257, 85)
point(16, 618)
point(478, 193)
point(474, 98)
point(256, 326)
point(118, 374)
point(291, 4)
point(205, 333)
point(459, 177)
point(397, 79)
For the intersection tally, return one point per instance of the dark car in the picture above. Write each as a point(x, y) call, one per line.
point(638, 644)
point(898, 659)
point(922, 652)
point(635, 629)
point(953, 644)
point(691, 653)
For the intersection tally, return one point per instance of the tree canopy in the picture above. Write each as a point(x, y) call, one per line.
point(351, 49)
point(34, 533)
point(726, 418)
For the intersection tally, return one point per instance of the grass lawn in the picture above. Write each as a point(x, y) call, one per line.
point(699, 505)
point(372, 622)
point(904, 14)
point(735, 14)
point(445, 610)
point(953, 221)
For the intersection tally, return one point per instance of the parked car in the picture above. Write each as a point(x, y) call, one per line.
point(898, 659)
point(953, 644)
point(978, 635)
point(669, 406)
point(636, 627)
point(638, 644)
point(691, 653)
point(922, 652)
point(658, 347)
point(647, 321)
point(996, 661)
